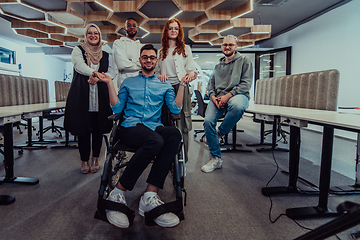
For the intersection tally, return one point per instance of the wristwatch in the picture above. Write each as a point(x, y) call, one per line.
point(184, 84)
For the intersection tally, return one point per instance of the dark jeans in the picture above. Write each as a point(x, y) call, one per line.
point(163, 143)
point(96, 140)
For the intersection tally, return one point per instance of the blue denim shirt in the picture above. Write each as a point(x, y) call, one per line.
point(142, 98)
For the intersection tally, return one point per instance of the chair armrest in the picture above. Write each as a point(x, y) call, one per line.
point(115, 116)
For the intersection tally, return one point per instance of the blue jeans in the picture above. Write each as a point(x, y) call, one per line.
point(235, 109)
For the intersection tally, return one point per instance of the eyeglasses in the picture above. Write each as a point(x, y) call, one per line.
point(132, 25)
point(228, 45)
point(93, 33)
point(145, 57)
point(172, 28)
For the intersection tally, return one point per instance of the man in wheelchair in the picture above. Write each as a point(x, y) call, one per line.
point(141, 98)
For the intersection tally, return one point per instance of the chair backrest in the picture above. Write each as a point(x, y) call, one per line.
point(201, 103)
point(61, 90)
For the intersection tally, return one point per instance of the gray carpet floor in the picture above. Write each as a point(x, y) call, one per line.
point(224, 204)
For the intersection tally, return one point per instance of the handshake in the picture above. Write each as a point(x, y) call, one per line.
point(96, 77)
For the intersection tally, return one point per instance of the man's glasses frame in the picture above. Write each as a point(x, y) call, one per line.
point(228, 45)
point(146, 57)
point(131, 25)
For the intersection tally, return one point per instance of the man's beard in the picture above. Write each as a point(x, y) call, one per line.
point(229, 54)
point(131, 35)
point(148, 69)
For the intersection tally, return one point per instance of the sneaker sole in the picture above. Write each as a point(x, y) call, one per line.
point(211, 170)
point(116, 224)
point(165, 225)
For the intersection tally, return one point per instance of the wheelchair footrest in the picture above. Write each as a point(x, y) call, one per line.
point(104, 205)
point(175, 207)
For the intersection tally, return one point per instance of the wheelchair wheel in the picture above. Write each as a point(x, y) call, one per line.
point(117, 163)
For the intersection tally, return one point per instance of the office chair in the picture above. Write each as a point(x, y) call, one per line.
point(52, 116)
point(200, 112)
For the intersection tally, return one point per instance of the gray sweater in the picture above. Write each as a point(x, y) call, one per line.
point(235, 77)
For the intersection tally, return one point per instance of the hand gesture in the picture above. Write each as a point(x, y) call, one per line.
point(104, 78)
point(93, 80)
point(163, 77)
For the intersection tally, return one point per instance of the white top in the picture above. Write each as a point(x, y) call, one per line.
point(81, 67)
point(126, 54)
point(177, 64)
point(169, 68)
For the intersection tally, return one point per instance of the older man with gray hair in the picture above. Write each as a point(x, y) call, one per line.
point(228, 89)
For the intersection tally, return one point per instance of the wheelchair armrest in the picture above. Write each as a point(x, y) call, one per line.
point(115, 116)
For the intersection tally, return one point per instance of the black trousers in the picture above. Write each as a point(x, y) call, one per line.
point(93, 139)
point(163, 143)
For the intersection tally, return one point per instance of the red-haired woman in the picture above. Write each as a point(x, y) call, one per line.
point(175, 62)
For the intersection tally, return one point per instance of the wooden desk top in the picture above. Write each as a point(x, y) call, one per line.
point(33, 107)
point(338, 120)
point(9, 117)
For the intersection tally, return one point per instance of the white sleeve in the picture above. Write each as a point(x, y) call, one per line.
point(79, 63)
point(121, 60)
point(111, 69)
point(189, 62)
point(158, 65)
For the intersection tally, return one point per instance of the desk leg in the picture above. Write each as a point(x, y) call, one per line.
point(234, 145)
point(6, 200)
point(262, 136)
point(294, 158)
point(67, 142)
point(321, 210)
point(30, 144)
point(9, 160)
point(41, 134)
point(273, 142)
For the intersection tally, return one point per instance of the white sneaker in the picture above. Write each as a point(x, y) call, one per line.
point(117, 218)
point(213, 164)
point(164, 220)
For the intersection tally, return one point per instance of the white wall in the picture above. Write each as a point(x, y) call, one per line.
point(36, 65)
point(329, 41)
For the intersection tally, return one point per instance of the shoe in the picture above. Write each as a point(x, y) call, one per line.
point(117, 218)
point(94, 167)
point(85, 168)
point(213, 164)
point(164, 220)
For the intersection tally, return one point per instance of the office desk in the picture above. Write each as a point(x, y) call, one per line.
point(329, 120)
point(34, 110)
point(7, 119)
point(297, 118)
point(27, 111)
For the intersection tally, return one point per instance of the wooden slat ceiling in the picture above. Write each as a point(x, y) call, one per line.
point(62, 22)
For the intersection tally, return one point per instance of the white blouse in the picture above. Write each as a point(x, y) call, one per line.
point(176, 67)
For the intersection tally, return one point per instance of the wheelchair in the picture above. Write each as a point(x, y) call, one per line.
point(114, 165)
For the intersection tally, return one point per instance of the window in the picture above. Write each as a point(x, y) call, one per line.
point(7, 56)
